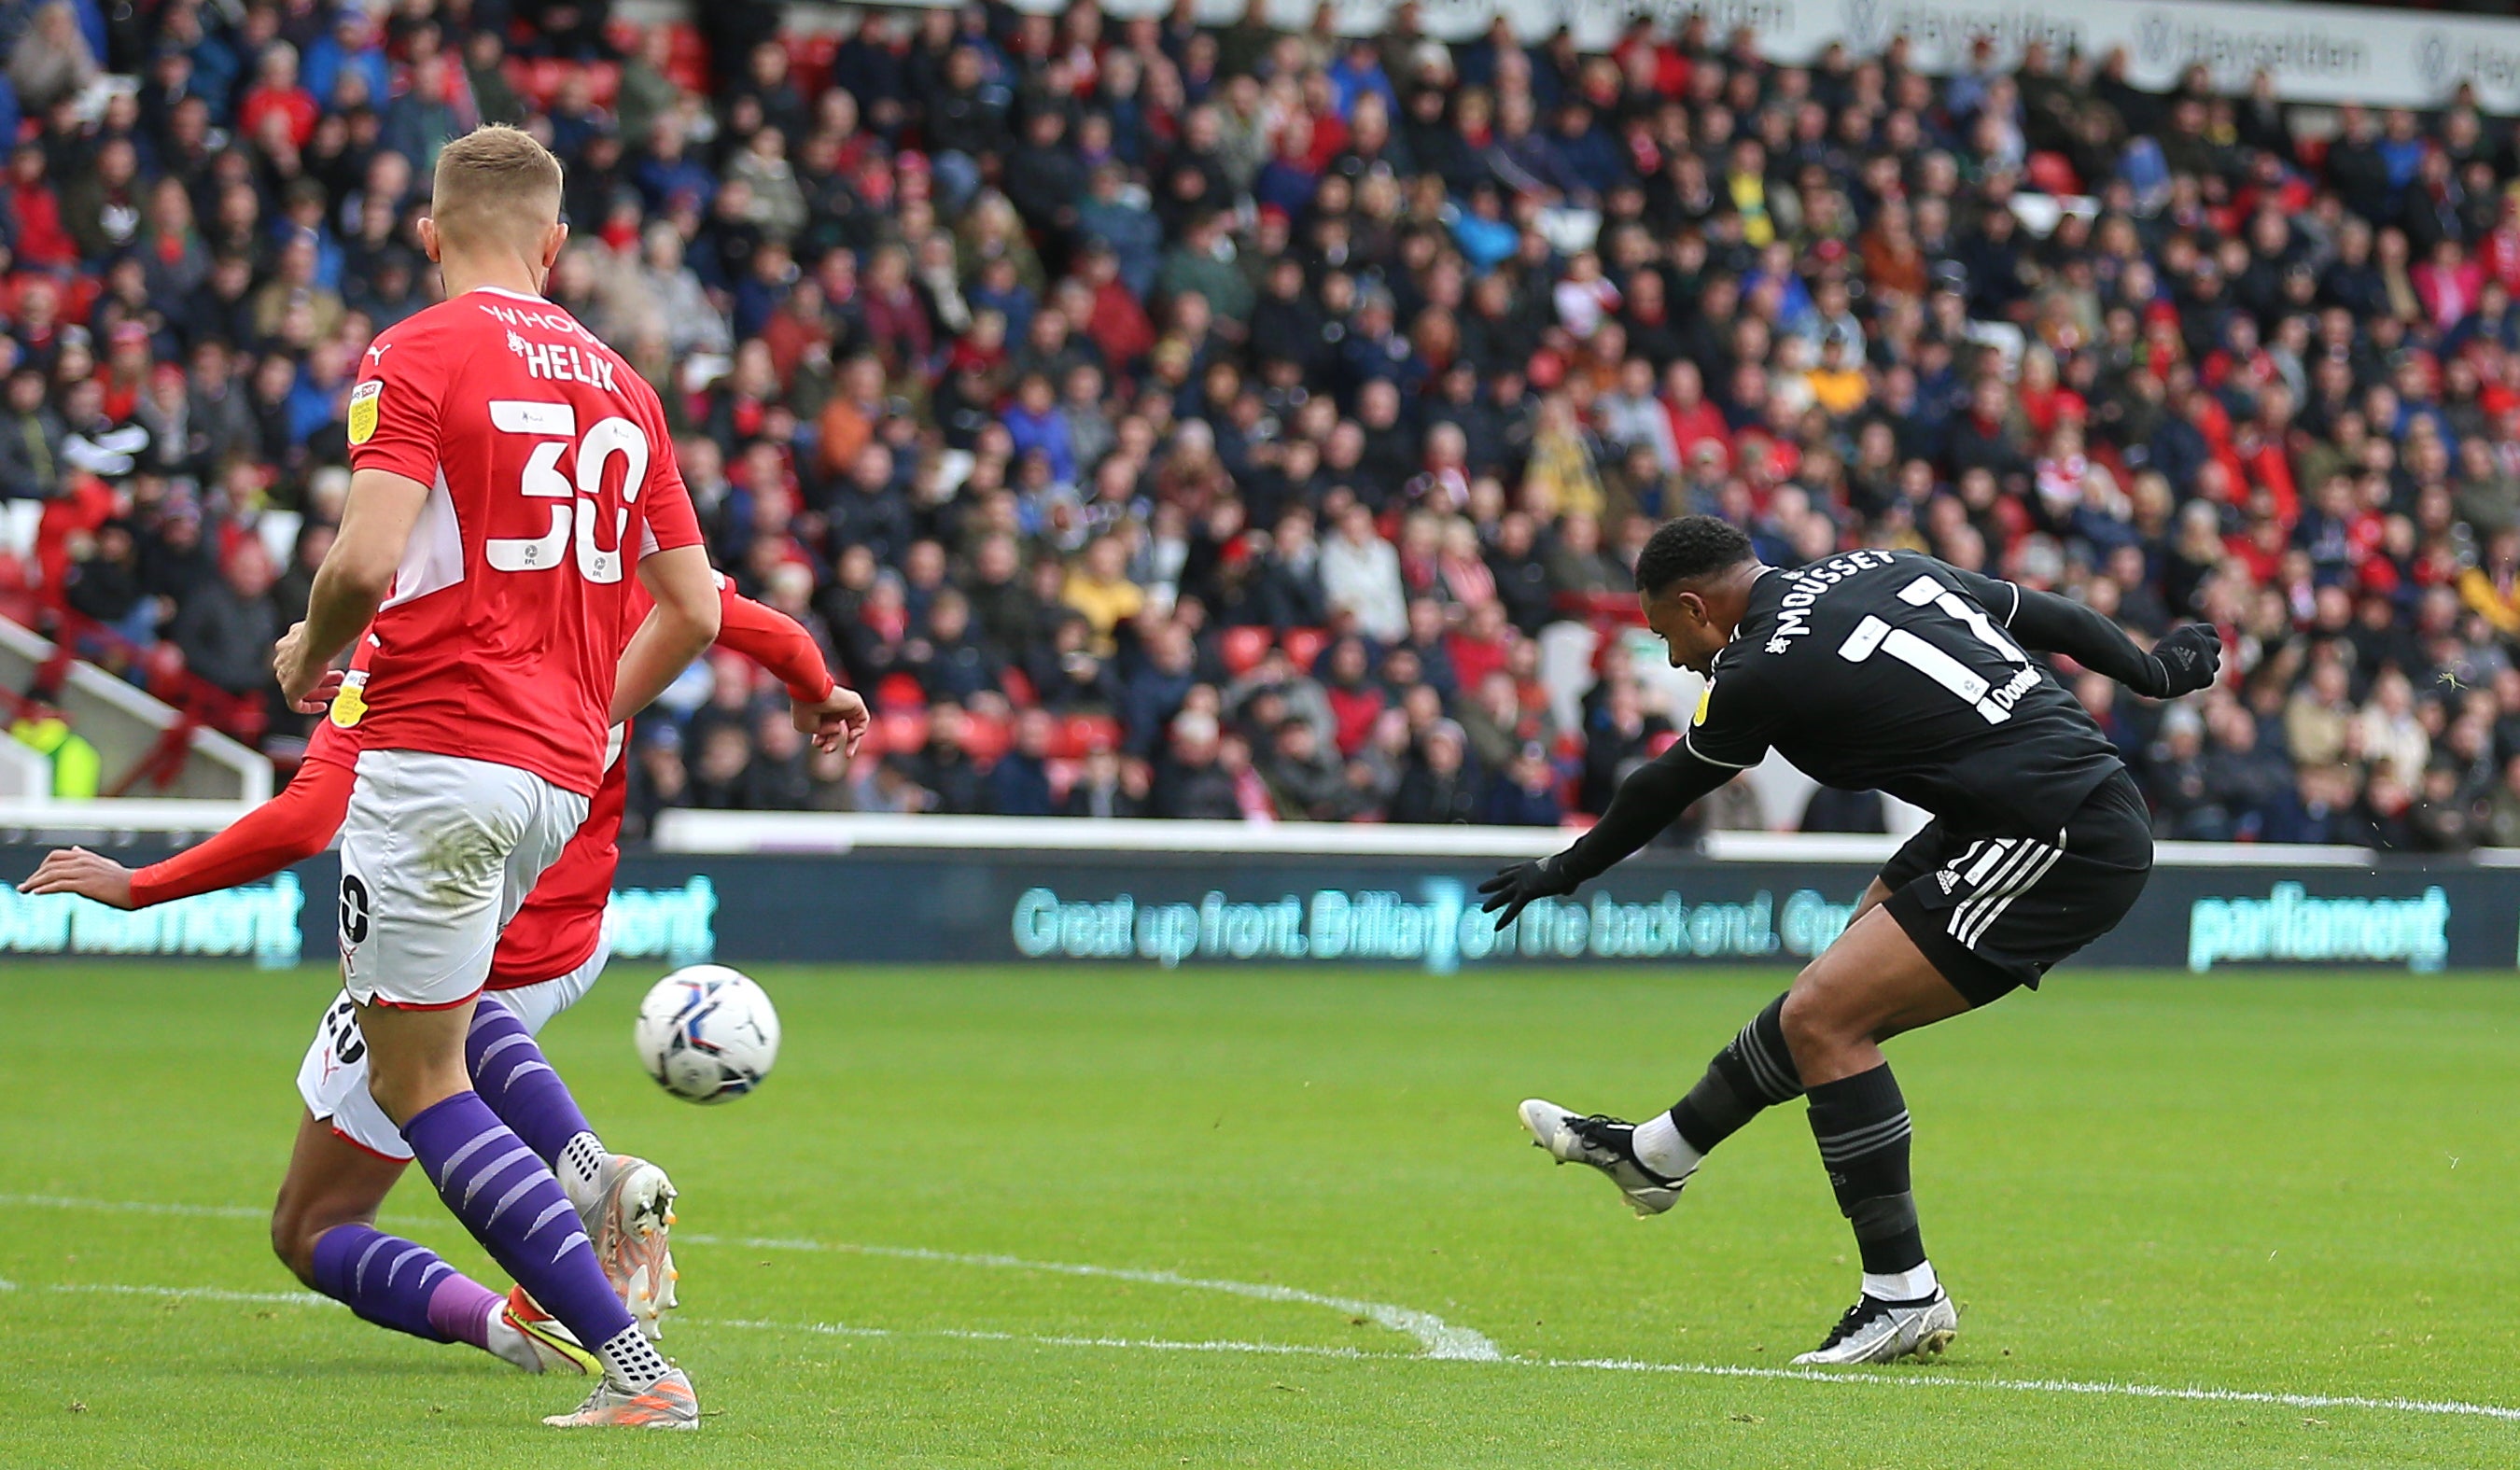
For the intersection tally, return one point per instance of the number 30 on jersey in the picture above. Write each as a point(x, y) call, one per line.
point(574, 529)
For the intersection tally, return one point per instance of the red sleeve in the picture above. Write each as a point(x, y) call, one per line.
point(773, 640)
point(295, 825)
point(665, 500)
point(393, 416)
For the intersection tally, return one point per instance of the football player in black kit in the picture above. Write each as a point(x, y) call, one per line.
point(1888, 671)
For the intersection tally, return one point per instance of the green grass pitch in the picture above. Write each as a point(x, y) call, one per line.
point(1284, 1184)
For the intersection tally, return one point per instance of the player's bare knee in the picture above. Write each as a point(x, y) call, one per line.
point(391, 1096)
point(300, 1220)
point(293, 1238)
point(404, 1089)
point(1814, 1024)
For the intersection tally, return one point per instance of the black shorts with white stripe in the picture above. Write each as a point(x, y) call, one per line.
point(1996, 912)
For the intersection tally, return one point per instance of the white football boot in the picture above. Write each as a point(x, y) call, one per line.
point(666, 1403)
point(632, 1208)
point(1874, 1330)
point(1605, 1143)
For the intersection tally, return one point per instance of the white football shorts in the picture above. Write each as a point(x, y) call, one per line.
point(438, 854)
point(333, 1077)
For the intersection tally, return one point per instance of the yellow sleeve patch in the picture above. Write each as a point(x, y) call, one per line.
point(1705, 697)
point(350, 703)
point(363, 410)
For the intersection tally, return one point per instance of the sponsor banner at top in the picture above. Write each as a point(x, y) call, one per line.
point(2315, 53)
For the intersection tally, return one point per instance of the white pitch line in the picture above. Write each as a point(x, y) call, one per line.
point(2033, 1386)
point(1142, 1343)
point(818, 1329)
point(135, 1207)
point(206, 1293)
point(1440, 1338)
point(1426, 1326)
point(1859, 1380)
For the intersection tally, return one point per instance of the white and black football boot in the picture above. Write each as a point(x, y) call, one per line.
point(1606, 1144)
point(1874, 1330)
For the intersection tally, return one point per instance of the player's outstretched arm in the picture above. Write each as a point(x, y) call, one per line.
point(1651, 798)
point(822, 709)
point(357, 572)
point(290, 828)
point(2186, 660)
point(684, 622)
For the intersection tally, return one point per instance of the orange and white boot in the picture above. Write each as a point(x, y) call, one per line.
point(666, 1403)
point(627, 1219)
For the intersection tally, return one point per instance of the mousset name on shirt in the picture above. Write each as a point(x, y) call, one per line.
point(1805, 587)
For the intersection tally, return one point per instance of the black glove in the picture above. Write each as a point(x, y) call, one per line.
point(2190, 659)
point(1514, 888)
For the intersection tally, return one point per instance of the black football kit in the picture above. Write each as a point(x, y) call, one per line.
point(1891, 671)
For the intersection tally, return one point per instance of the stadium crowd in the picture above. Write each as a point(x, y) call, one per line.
point(1220, 421)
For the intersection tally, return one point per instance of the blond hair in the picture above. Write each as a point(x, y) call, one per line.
point(495, 180)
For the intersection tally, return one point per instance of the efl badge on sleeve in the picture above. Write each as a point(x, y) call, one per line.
point(363, 410)
point(350, 702)
point(1705, 697)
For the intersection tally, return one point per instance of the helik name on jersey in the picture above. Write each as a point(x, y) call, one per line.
point(561, 362)
point(554, 362)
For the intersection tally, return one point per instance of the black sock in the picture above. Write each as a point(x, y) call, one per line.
point(1753, 1072)
point(1860, 1124)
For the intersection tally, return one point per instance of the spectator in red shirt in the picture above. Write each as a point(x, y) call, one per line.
point(275, 93)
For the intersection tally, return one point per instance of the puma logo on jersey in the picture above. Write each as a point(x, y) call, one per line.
point(377, 353)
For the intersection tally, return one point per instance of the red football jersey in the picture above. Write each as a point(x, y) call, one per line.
point(557, 929)
point(551, 471)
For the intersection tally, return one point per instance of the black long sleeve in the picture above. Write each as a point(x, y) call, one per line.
point(1651, 798)
point(2045, 623)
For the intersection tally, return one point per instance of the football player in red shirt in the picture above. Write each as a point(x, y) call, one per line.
point(348, 1156)
point(509, 475)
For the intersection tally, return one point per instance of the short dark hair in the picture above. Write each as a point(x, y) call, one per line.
point(1688, 549)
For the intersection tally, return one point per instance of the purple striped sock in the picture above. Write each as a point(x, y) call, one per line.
point(512, 1076)
point(510, 1203)
point(386, 1280)
point(461, 1308)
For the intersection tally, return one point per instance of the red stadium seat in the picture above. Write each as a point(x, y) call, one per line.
point(542, 77)
point(1244, 648)
point(1304, 645)
point(900, 691)
point(162, 666)
point(1079, 734)
point(809, 61)
point(2052, 173)
point(896, 732)
point(688, 64)
point(985, 739)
